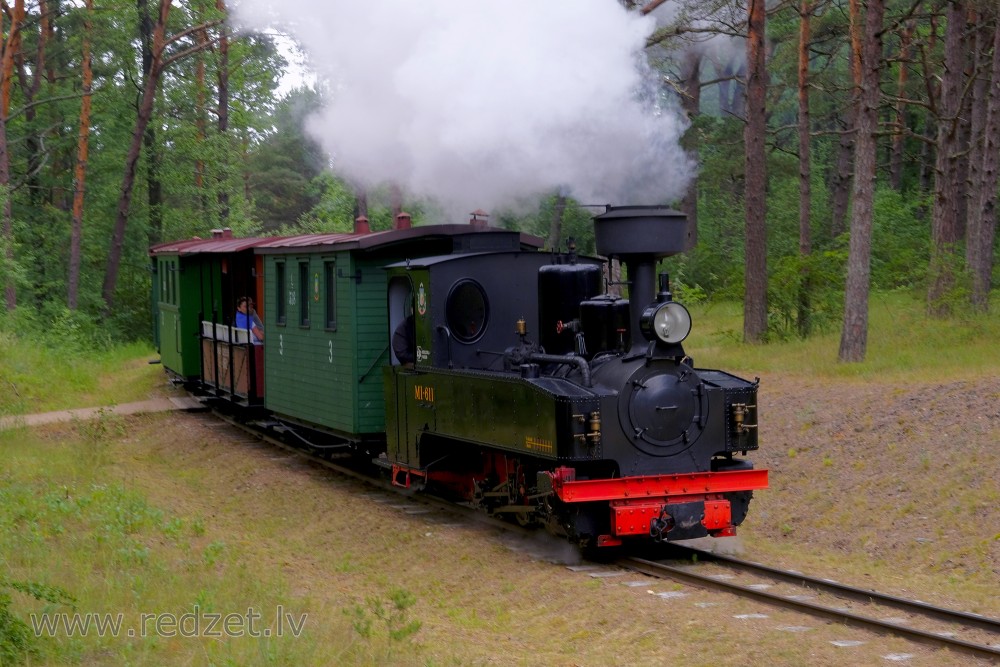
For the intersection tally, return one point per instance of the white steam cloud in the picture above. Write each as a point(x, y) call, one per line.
point(479, 104)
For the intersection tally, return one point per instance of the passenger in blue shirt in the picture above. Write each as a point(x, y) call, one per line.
point(246, 318)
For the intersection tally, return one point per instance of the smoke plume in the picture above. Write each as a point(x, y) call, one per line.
point(479, 104)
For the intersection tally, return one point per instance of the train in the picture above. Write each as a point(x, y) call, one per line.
point(468, 361)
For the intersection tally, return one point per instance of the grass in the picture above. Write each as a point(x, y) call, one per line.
point(155, 515)
point(67, 520)
point(40, 378)
point(75, 521)
point(903, 343)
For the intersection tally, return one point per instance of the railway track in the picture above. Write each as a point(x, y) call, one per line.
point(924, 623)
point(337, 463)
point(823, 598)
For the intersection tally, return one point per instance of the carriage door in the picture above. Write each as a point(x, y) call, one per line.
point(400, 304)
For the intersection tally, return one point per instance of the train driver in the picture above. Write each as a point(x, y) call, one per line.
point(403, 342)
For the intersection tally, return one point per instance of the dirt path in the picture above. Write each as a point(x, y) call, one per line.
point(138, 407)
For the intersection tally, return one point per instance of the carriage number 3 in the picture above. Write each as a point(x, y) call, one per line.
point(329, 355)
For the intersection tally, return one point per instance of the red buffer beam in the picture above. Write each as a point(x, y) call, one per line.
point(568, 490)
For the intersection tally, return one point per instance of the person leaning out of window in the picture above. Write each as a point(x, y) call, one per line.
point(246, 318)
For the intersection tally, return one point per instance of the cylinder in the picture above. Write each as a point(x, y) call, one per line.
point(605, 323)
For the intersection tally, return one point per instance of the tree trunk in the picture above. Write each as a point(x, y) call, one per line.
point(854, 337)
point(977, 112)
point(982, 208)
point(846, 152)
point(843, 176)
point(691, 104)
point(360, 202)
point(223, 103)
point(725, 74)
point(805, 168)
point(79, 180)
point(154, 188)
point(899, 133)
point(200, 120)
point(945, 230)
point(10, 47)
point(30, 86)
point(929, 130)
point(143, 116)
point(755, 274)
point(395, 202)
point(555, 225)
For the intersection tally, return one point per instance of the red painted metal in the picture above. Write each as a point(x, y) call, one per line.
point(401, 475)
point(633, 519)
point(718, 515)
point(665, 487)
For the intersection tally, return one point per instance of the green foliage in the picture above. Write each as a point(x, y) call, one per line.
point(900, 239)
point(97, 432)
point(31, 356)
point(387, 618)
point(16, 637)
point(286, 163)
point(536, 218)
point(806, 294)
point(59, 328)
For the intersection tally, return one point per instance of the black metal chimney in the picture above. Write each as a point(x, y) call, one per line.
point(640, 236)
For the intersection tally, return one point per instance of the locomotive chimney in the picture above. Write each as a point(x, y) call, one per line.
point(403, 220)
point(361, 225)
point(479, 219)
point(640, 236)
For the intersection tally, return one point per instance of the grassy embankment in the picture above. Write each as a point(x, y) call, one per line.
point(883, 473)
point(99, 519)
point(104, 510)
point(904, 345)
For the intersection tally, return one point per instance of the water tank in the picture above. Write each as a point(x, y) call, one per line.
point(561, 288)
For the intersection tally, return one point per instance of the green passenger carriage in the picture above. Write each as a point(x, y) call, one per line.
point(195, 285)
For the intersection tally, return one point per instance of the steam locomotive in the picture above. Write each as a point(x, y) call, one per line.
point(463, 360)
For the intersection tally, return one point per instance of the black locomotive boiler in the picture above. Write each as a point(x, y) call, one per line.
point(538, 396)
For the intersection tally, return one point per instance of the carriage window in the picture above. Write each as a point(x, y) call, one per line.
point(329, 275)
point(279, 284)
point(172, 285)
point(304, 294)
point(467, 310)
point(162, 270)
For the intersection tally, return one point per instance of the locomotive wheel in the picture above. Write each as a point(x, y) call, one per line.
point(524, 519)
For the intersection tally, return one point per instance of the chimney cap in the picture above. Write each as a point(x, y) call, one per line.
point(479, 218)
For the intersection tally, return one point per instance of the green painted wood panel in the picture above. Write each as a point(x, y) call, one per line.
point(178, 304)
point(313, 373)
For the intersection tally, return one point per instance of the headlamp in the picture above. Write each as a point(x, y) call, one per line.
point(669, 322)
